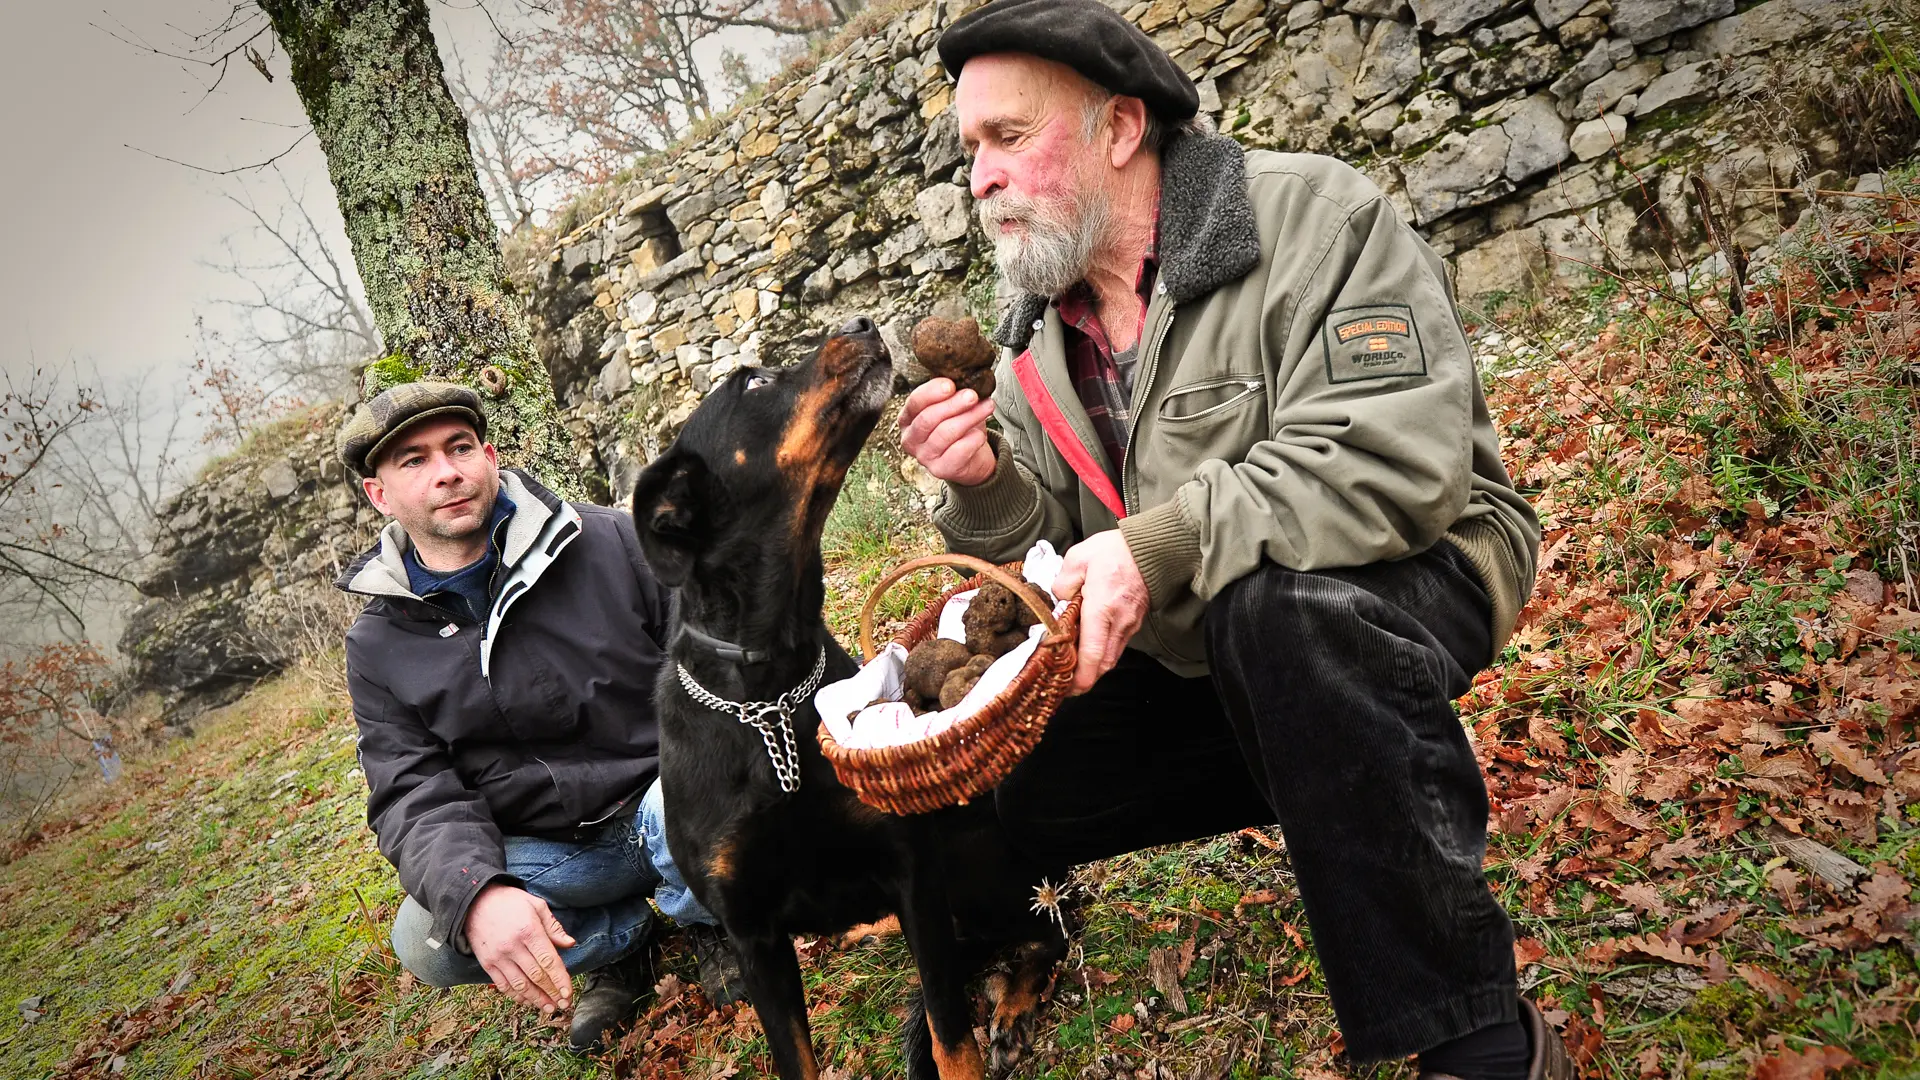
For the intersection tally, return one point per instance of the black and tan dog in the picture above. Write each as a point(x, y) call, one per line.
point(730, 517)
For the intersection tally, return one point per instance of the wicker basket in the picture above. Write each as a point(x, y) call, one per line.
point(969, 758)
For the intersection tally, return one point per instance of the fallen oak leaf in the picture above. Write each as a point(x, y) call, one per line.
point(1776, 988)
point(1255, 899)
point(1661, 949)
point(1527, 951)
point(1848, 757)
point(1667, 856)
point(1813, 1063)
point(1259, 836)
point(1644, 897)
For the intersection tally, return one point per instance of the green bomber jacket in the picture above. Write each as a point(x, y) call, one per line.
point(1305, 394)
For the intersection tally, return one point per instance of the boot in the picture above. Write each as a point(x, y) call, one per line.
point(719, 966)
point(1549, 1061)
point(606, 1001)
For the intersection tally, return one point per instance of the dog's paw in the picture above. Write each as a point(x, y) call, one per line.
point(1016, 1003)
point(868, 932)
point(1011, 1040)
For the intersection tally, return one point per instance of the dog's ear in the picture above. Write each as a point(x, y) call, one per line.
point(669, 513)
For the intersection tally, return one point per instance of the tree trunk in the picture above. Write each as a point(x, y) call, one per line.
point(370, 77)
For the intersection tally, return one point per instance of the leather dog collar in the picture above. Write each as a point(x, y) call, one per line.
point(726, 650)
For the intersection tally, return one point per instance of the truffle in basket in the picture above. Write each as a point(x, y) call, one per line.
point(962, 680)
point(996, 620)
point(928, 666)
point(955, 349)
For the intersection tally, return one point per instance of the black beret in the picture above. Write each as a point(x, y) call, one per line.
point(1087, 36)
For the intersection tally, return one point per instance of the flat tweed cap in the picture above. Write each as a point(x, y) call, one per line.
point(1087, 36)
point(375, 423)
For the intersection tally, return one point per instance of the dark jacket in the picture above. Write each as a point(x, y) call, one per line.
point(537, 722)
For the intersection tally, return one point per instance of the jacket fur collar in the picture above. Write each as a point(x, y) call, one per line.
point(1208, 235)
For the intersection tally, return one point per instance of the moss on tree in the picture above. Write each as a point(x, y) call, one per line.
point(371, 80)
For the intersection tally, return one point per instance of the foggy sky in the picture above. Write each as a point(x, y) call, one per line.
point(104, 244)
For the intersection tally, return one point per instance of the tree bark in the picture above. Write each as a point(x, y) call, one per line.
point(371, 80)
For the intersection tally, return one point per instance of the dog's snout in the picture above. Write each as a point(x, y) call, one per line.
point(859, 325)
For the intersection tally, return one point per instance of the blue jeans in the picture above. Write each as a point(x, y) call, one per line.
point(598, 891)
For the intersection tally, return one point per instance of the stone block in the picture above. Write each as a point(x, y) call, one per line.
point(942, 210)
point(642, 306)
point(689, 210)
point(1765, 27)
point(1526, 65)
point(1512, 262)
point(1602, 93)
point(1427, 115)
point(616, 378)
point(1552, 13)
point(1455, 172)
point(1375, 9)
point(1443, 17)
point(667, 339)
point(1641, 21)
point(1538, 138)
point(279, 479)
point(1597, 136)
point(1390, 63)
point(815, 99)
point(1302, 15)
point(1695, 82)
point(1582, 32)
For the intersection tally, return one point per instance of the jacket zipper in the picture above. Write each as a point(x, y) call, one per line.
point(1133, 422)
point(1249, 387)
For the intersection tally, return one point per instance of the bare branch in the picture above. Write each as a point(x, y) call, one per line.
point(256, 167)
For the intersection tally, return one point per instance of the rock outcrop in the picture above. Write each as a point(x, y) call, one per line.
point(240, 580)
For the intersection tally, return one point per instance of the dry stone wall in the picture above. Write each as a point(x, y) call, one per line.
point(1527, 139)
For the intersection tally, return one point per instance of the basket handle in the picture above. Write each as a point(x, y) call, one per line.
point(1020, 588)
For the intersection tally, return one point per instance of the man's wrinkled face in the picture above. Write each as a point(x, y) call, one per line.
point(1038, 173)
point(437, 479)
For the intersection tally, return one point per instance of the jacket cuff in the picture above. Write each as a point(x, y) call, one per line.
point(1166, 547)
point(997, 504)
point(451, 928)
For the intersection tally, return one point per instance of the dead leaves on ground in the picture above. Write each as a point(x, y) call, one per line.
point(1712, 689)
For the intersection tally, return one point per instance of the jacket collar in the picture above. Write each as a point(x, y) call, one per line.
point(382, 569)
point(1208, 234)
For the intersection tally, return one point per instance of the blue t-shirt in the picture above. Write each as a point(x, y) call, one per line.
point(468, 591)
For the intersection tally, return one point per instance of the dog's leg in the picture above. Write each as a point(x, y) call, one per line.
point(772, 974)
point(1016, 998)
point(927, 919)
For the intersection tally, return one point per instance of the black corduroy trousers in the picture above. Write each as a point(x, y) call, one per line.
point(1329, 710)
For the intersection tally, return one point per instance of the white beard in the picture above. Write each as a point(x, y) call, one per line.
point(1055, 249)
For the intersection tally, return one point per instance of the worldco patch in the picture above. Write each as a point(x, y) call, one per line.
point(1374, 342)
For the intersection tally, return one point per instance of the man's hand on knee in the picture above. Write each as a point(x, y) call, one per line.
point(513, 935)
point(1113, 606)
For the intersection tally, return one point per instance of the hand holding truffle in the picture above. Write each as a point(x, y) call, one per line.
point(944, 424)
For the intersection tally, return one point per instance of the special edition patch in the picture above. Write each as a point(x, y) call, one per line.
point(1374, 342)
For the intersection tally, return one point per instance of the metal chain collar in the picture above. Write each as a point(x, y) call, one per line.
point(782, 751)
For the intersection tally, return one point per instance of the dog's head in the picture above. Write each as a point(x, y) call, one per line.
point(758, 465)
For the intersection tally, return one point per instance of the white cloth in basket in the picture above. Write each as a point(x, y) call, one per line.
point(857, 725)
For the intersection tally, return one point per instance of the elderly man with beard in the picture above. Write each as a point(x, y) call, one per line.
point(1235, 390)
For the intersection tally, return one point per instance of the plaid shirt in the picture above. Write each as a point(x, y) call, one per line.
point(1105, 381)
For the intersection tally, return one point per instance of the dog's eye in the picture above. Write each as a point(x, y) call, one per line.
point(759, 379)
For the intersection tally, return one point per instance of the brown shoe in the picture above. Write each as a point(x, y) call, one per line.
point(1550, 1060)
